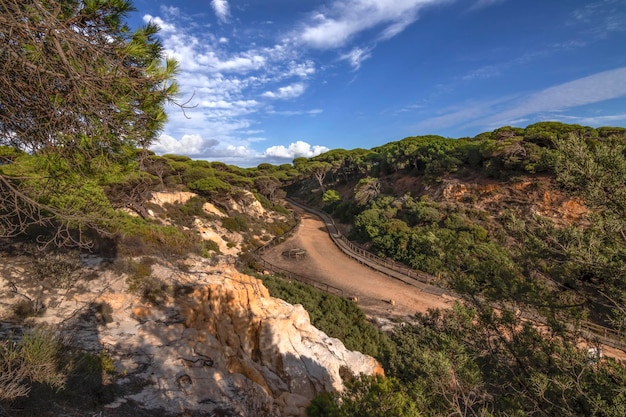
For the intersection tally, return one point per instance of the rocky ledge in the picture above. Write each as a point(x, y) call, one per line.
point(219, 345)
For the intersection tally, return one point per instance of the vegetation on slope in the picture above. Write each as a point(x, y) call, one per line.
point(335, 316)
point(479, 242)
point(476, 214)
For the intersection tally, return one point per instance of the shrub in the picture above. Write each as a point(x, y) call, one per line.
point(59, 269)
point(31, 359)
point(336, 316)
point(28, 308)
point(210, 246)
point(140, 237)
point(237, 223)
point(331, 196)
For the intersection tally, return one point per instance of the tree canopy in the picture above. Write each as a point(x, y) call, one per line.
point(78, 90)
point(76, 78)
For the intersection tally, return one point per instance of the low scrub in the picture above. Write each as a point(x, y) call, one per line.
point(31, 359)
point(336, 316)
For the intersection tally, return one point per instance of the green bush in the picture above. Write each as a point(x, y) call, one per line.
point(137, 237)
point(33, 359)
point(336, 316)
point(209, 246)
point(236, 223)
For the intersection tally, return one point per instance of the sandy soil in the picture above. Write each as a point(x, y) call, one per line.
point(327, 264)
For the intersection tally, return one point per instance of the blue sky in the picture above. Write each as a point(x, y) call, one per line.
point(272, 80)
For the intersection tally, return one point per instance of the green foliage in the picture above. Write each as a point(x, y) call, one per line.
point(330, 196)
point(209, 246)
point(267, 186)
point(335, 316)
point(140, 281)
point(33, 359)
point(210, 186)
point(367, 189)
point(547, 133)
point(476, 360)
point(236, 223)
point(89, 364)
point(137, 237)
point(235, 180)
point(526, 372)
point(439, 240)
point(422, 212)
point(57, 269)
point(102, 85)
point(137, 273)
point(268, 205)
point(366, 396)
point(594, 170)
point(185, 214)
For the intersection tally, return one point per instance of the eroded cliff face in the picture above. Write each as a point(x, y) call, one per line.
point(219, 344)
point(538, 196)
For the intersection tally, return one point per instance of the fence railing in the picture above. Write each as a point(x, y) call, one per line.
point(352, 250)
point(605, 335)
point(291, 276)
point(286, 274)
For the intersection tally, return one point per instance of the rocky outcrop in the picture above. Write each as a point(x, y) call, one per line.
point(236, 347)
point(175, 197)
point(537, 197)
point(218, 344)
point(245, 202)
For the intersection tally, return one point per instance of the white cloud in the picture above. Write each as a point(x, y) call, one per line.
point(601, 17)
point(287, 92)
point(294, 150)
point(592, 89)
point(221, 9)
point(312, 112)
point(165, 27)
point(482, 73)
point(301, 69)
point(187, 145)
point(596, 120)
point(170, 10)
point(239, 154)
point(344, 19)
point(457, 115)
point(547, 104)
point(244, 63)
point(356, 56)
point(199, 147)
point(485, 3)
point(226, 87)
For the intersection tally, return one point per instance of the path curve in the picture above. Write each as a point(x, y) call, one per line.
point(378, 295)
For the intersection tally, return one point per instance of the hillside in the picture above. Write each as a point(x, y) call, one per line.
point(542, 206)
point(518, 220)
point(138, 328)
point(527, 226)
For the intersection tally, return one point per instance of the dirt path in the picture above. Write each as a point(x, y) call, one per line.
point(326, 263)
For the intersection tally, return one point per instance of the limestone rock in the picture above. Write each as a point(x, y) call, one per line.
point(247, 203)
point(179, 197)
point(221, 346)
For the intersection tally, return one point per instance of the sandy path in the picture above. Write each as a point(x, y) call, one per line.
point(326, 263)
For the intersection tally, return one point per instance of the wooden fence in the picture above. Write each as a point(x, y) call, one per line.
point(291, 276)
point(286, 274)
